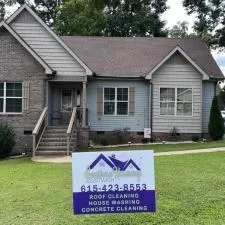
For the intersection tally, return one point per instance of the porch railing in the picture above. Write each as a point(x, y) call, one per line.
point(40, 129)
point(71, 127)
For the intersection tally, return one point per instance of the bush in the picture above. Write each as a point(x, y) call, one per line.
point(7, 140)
point(195, 138)
point(122, 135)
point(216, 126)
point(104, 141)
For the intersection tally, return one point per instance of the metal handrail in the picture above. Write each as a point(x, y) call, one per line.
point(37, 132)
point(70, 129)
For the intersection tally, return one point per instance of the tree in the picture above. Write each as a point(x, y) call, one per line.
point(47, 10)
point(80, 17)
point(216, 123)
point(210, 20)
point(2, 10)
point(135, 18)
point(180, 30)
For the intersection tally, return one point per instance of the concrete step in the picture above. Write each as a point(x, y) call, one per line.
point(40, 153)
point(54, 144)
point(55, 131)
point(56, 139)
point(52, 148)
point(55, 135)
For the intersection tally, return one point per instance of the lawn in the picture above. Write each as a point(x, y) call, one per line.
point(167, 147)
point(190, 190)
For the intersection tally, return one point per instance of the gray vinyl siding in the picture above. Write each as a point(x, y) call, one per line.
point(46, 46)
point(136, 122)
point(208, 91)
point(177, 72)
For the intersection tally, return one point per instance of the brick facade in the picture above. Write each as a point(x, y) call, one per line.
point(16, 64)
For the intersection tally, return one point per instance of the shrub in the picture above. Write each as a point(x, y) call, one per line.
point(216, 123)
point(144, 140)
point(104, 140)
point(7, 140)
point(195, 138)
point(122, 135)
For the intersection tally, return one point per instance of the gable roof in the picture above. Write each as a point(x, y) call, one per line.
point(57, 38)
point(48, 69)
point(137, 57)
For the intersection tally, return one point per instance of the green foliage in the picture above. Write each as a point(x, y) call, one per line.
point(111, 18)
point(104, 141)
point(130, 18)
point(210, 20)
point(7, 141)
point(180, 30)
point(216, 123)
point(195, 138)
point(80, 17)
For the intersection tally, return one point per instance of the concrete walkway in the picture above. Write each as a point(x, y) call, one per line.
point(68, 159)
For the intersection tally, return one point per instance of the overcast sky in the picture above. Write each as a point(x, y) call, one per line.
point(172, 16)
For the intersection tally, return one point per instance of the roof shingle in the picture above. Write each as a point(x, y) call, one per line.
point(135, 57)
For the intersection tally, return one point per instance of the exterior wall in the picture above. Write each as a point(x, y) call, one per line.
point(136, 122)
point(177, 72)
point(208, 91)
point(46, 46)
point(16, 64)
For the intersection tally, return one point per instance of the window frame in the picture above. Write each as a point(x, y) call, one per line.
point(4, 97)
point(115, 101)
point(176, 101)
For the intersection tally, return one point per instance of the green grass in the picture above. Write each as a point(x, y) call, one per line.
point(190, 190)
point(166, 147)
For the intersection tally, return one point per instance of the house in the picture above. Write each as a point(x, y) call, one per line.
point(113, 163)
point(59, 92)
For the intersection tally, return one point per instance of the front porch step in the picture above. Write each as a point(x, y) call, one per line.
point(54, 144)
point(54, 141)
point(47, 153)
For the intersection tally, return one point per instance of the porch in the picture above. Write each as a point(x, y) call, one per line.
point(63, 124)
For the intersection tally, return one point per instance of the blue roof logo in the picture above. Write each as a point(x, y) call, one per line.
point(113, 163)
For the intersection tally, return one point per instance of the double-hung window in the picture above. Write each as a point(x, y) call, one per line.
point(115, 101)
point(176, 101)
point(10, 97)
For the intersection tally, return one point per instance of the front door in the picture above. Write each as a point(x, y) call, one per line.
point(66, 100)
point(67, 104)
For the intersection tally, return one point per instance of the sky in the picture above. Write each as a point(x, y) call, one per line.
point(175, 13)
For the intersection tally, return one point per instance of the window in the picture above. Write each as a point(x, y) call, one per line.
point(176, 101)
point(115, 101)
point(167, 101)
point(10, 97)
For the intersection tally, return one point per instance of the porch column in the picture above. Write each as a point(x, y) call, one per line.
point(84, 122)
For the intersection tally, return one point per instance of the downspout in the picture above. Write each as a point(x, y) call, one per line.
point(151, 107)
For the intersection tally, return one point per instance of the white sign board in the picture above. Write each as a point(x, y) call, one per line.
point(147, 132)
point(113, 182)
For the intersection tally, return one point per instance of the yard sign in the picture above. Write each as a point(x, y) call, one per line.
point(113, 182)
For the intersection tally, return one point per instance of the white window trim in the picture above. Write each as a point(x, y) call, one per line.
point(115, 101)
point(4, 100)
point(175, 102)
point(67, 89)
